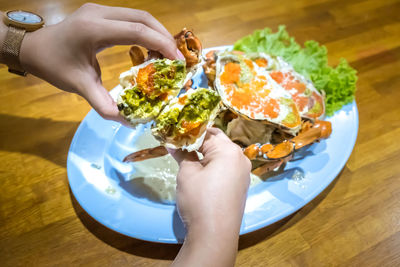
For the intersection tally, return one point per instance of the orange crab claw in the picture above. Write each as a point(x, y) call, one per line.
point(187, 43)
point(281, 150)
point(190, 47)
point(210, 67)
point(252, 151)
point(310, 133)
point(266, 148)
point(326, 128)
point(267, 167)
point(320, 130)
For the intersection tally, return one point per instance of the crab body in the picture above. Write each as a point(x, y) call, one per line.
point(266, 106)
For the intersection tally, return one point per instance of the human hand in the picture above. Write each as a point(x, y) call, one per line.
point(65, 54)
point(211, 196)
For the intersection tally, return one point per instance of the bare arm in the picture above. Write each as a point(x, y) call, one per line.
point(211, 196)
point(64, 54)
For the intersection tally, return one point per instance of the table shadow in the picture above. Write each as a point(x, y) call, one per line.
point(270, 231)
point(169, 251)
point(42, 137)
point(122, 242)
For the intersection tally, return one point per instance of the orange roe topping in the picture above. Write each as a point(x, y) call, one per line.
point(277, 76)
point(231, 73)
point(252, 96)
point(191, 128)
point(249, 63)
point(261, 62)
point(144, 79)
point(288, 81)
point(182, 99)
point(293, 86)
point(301, 101)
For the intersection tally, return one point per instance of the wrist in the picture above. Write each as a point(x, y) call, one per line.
point(24, 54)
point(208, 247)
point(216, 233)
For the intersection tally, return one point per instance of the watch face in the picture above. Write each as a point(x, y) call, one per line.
point(24, 17)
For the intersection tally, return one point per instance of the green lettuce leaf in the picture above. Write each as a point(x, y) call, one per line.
point(339, 84)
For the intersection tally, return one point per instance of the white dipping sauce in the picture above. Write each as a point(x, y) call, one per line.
point(156, 178)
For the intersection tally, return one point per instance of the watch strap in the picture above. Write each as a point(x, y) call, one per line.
point(11, 48)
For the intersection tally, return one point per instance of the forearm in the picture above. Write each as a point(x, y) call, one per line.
point(209, 246)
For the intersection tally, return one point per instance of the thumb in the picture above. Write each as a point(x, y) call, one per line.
point(188, 161)
point(100, 99)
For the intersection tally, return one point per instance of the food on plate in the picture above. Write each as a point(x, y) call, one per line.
point(264, 116)
point(258, 112)
point(183, 122)
point(153, 81)
point(273, 98)
point(148, 87)
point(150, 93)
point(311, 61)
point(245, 86)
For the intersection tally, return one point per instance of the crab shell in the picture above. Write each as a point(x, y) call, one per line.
point(128, 81)
point(190, 142)
point(260, 95)
point(309, 101)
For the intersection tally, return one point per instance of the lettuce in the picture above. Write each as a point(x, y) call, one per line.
point(339, 84)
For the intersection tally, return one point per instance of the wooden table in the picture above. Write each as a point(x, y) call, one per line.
point(355, 221)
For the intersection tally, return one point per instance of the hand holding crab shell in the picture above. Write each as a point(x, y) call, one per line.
point(266, 107)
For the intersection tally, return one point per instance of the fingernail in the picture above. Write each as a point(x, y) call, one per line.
point(180, 55)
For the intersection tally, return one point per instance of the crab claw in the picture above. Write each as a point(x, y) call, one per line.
point(210, 66)
point(319, 130)
point(269, 166)
point(281, 150)
point(190, 47)
point(326, 128)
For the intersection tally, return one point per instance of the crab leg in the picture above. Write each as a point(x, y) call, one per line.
point(309, 134)
point(148, 153)
point(273, 154)
point(190, 47)
point(269, 166)
point(186, 42)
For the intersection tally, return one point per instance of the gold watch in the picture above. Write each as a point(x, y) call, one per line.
point(19, 22)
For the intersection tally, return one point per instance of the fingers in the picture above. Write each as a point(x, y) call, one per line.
point(217, 132)
point(184, 158)
point(125, 33)
point(136, 16)
point(218, 148)
point(99, 98)
point(213, 141)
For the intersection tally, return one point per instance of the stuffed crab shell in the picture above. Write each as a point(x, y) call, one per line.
point(183, 122)
point(309, 101)
point(246, 88)
point(148, 87)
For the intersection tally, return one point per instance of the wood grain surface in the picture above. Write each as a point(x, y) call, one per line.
point(354, 222)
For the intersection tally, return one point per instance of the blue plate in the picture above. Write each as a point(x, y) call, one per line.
point(104, 187)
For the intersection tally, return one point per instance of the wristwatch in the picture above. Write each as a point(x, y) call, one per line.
point(19, 22)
